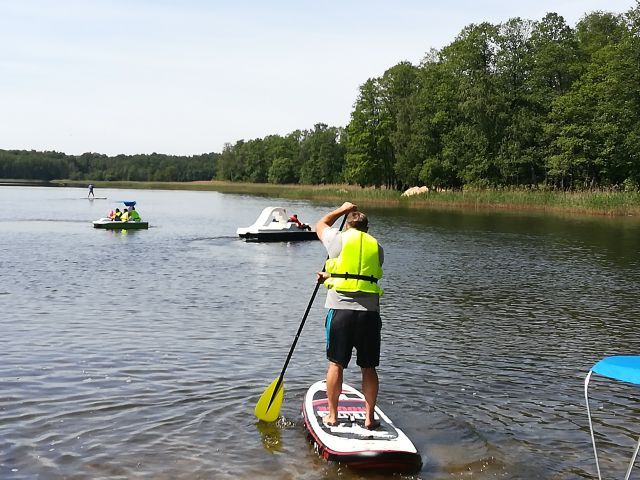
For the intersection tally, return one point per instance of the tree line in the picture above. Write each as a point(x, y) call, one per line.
point(521, 103)
point(517, 104)
point(32, 165)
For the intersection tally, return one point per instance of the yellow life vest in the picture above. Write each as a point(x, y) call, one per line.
point(357, 268)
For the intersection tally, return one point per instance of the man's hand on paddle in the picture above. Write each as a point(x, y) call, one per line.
point(322, 276)
point(330, 218)
point(346, 207)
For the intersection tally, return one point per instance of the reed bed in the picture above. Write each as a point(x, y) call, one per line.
point(611, 203)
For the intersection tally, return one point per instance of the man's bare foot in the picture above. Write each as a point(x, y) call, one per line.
point(373, 425)
point(328, 423)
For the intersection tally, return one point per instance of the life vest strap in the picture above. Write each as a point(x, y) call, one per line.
point(367, 278)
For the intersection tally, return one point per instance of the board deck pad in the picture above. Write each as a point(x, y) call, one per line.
point(351, 417)
point(349, 442)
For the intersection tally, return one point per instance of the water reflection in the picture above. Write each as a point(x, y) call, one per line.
point(270, 434)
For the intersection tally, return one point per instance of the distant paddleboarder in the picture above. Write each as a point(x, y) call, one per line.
point(91, 194)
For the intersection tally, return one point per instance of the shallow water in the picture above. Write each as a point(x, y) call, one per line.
point(142, 354)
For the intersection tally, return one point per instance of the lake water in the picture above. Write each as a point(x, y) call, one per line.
point(142, 354)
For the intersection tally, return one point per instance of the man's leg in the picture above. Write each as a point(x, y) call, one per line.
point(370, 390)
point(334, 387)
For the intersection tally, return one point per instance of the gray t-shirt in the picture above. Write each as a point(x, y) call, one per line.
point(332, 241)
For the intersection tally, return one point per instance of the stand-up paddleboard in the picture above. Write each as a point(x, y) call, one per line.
point(349, 442)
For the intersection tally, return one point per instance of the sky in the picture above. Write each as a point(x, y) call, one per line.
point(184, 77)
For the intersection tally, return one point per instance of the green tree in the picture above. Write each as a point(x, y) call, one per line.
point(481, 104)
point(436, 114)
point(282, 170)
point(322, 155)
point(399, 89)
point(593, 126)
point(369, 146)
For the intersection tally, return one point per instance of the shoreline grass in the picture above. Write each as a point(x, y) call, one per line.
point(580, 203)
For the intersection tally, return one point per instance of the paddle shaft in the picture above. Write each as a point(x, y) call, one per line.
point(295, 340)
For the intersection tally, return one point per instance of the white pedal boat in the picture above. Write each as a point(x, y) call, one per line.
point(273, 225)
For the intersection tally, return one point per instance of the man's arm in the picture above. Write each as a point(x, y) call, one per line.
point(330, 218)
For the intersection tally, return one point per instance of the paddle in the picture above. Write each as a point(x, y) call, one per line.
point(268, 406)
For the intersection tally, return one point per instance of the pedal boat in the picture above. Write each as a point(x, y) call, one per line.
point(273, 225)
point(107, 223)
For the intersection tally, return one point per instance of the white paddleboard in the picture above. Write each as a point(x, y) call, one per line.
point(349, 442)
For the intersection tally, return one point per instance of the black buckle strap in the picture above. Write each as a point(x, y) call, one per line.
point(367, 278)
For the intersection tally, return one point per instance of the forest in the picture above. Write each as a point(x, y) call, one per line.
point(521, 104)
point(32, 165)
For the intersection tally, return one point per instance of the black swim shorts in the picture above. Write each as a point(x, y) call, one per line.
point(349, 329)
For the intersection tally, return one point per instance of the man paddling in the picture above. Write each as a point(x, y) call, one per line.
point(353, 299)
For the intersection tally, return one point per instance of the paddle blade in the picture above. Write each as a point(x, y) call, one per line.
point(266, 412)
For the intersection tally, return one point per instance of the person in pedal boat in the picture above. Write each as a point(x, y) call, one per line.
point(134, 216)
point(353, 320)
point(302, 226)
point(125, 215)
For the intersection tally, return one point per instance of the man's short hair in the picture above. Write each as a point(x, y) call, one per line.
point(358, 220)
